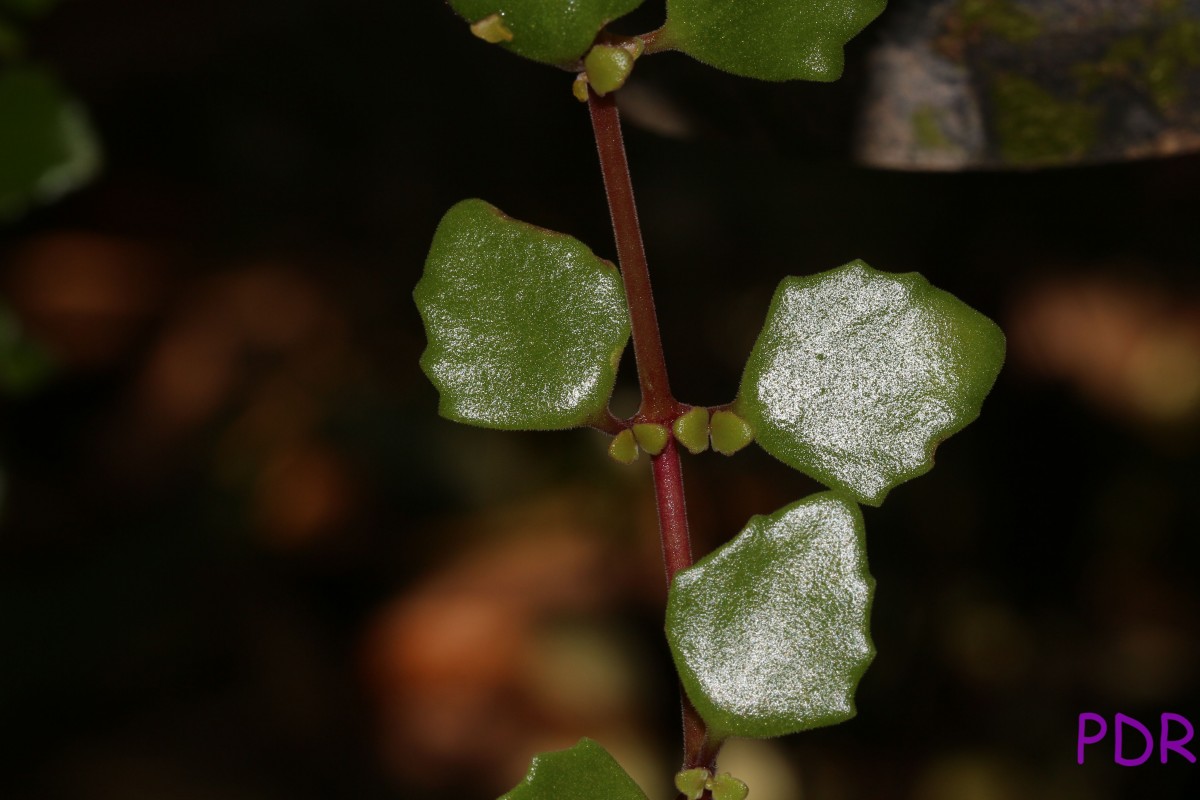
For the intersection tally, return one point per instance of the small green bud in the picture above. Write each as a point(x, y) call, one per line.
point(580, 87)
point(623, 447)
point(727, 787)
point(691, 430)
point(608, 68)
point(730, 433)
point(635, 46)
point(652, 438)
point(492, 29)
point(691, 783)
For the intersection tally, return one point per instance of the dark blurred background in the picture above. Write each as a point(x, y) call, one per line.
point(242, 557)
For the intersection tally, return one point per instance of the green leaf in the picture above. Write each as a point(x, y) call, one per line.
point(525, 325)
point(859, 374)
point(550, 31)
point(770, 632)
point(585, 772)
point(774, 40)
point(46, 144)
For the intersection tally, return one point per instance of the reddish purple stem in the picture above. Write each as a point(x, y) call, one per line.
point(658, 404)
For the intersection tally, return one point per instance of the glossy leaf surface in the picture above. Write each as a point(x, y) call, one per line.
point(550, 31)
point(46, 144)
point(774, 40)
point(525, 325)
point(770, 632)
point(585, 772)
point(859, 374)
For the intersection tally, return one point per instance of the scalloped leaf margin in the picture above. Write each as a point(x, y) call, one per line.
point(770, 633)
point(773, 40)
point(859, 374)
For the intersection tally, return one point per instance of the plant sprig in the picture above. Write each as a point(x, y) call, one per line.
point(855, 378)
